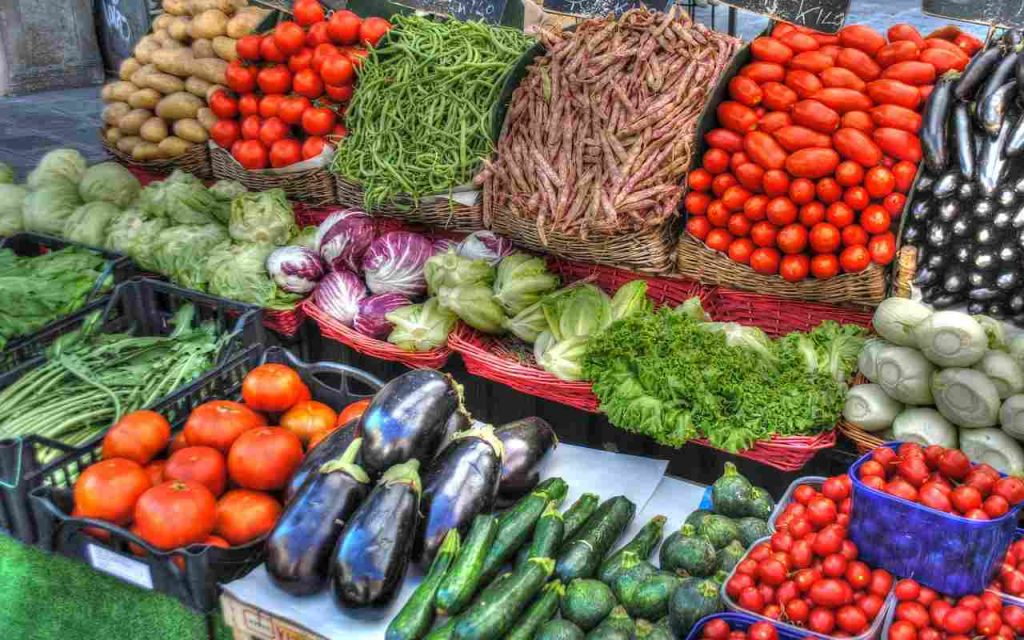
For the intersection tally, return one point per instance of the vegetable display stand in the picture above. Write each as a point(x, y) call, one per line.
point(334, 330)
point(439, 211)
point(865, 440)
point(313, 186)
point(785, 453)
point(778, 316)
point(195, 161)
point(951, 554)
point(191, 575)
point(252, 623)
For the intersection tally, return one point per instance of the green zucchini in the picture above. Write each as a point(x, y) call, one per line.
point(417, 616)
point(523, 554)
point(626, 562)
point(732, 493)
point(729, 556)
point(752, 530)
point(460, 584)
point(581, 556)
point(695, 518)
point(497, 609)
point(649, 631)
point(516, 524)
point(580, 511)
point(650, 599)
point(685, 551)
point(587, 602)
point(719, 530)
point(642, 544)
point(542, 609)
point(693, 600)
point(559, 630)
point(761, 505)
point(547, 535)
point(444, 632)
point(632, 577)
point(617, 626)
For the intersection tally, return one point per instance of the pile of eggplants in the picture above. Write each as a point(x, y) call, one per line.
point(967, 213)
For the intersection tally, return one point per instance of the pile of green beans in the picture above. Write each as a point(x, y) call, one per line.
point(420, 121)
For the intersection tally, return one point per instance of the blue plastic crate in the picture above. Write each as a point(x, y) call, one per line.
point(948, 553)
point(742, 621)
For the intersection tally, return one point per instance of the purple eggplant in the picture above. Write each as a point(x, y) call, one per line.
point(934, 139)
point(329, 448)
point(406, 419)
point(299, 548)
point(526, 443)
point(369, 563)
point(977, 71)
point(461, 483)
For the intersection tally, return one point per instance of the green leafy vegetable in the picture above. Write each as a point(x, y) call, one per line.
point(475, 305)
point(181, 252)
point(237, 270)
point(181, 198)
point(630, 299)
point(421, 327)
point(521, 281)
point(449, 269)
point(60, 165)
point(134, 234)
point(579, 311)
point(47, 209)
point(88, 224)
point(6, 173)
point(12, 198)
point(264, 217)
point(109, 182)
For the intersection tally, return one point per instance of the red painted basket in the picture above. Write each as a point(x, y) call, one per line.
point(779, 316)
point(285, 322)
point(334, 330)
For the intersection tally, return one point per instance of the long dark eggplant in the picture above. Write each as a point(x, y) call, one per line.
point(461, 483)
point(374, 548)
point(992, 161)
point(406, 419)
point(1015, 145)
point(936, 116)
point(457, 422)
point(993, 107)
point(526, 443)
point(963, 138)
point(1000, 75)
point(329, 448)
point(977, 71)
point(299, 547)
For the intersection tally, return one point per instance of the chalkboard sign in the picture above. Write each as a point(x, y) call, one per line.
point(999, 13)
point(487, 10)
point(121, 24)
point(597, 8)
point(821, 15)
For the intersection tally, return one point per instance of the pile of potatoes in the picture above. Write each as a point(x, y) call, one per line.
point(158, 108)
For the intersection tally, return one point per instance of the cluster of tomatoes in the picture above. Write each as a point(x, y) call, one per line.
point(942, 479)
point(219, 481)
point(1010, 579)
point(923, 614)
point(817, 147)
point(290, 86)
point(719, 629)
point(808, 573)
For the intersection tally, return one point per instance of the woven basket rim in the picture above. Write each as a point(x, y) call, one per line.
point(195, 153)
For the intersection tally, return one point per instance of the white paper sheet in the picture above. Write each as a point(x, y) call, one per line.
point(604, 473)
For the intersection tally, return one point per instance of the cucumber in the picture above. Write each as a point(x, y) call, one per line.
point(650, 599)
point(617, 626)
point(649, 631)
point(587, 602)
point(693, 600)
point(732, 493)
point(417, 616)
point(642, 544)
point(547, 535)
point(719, 530)
point(695, 518)
point(542, 609)
point(581, 556)
point(685, 551)
point(628, 582)
point(516, 524)
point(559, 630)
point(762, 504)
point(498, 607)
point(580, 511)
point(729, 556)
point(523, 555)
point(460, 584)
point(444, 632)
point(752, 530)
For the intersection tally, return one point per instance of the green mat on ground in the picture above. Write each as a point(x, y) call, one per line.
point(48, 597)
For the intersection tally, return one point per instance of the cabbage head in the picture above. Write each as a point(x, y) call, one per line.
point(181, 198)
point(181, 252)
point(305, 238)
point(88, 224)
point(265, 217)
point(109, 182)
point(12, 197)
point(224, 191)
point(237, 270)
point(59, 165)
point(134, 234)
point(6, 173)
point(48, 208)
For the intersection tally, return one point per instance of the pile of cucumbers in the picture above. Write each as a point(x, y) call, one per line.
point(536, 572)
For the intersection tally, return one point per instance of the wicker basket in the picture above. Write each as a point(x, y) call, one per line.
point(903, 271)
point(313, 186)
point(786, 453)
point(334, 330)
point(285, 322)
point(195, 161)
point(779, 316)
point(438, 212)
point(864, 440)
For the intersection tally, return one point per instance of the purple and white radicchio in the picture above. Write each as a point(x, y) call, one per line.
point(442, 245)
point(338, 294)
point(394, 263)
point(485, 245)
point(370, 320)
point(343, 238)
point(295, 269)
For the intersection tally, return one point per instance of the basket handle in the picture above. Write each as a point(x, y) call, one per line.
point(316, 369)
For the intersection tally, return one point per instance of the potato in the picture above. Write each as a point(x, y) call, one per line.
point(112, 135)
point(147, 151)
point(125, 144)
point(165, 83)
point(128, 68)
point(144, 99)
point(105, 92)
point(178, 106)
point(209, 24)
point(197, 86)
point(173, 45)
point(144, 50)
point(177, 63)
point(211, 70)
point(191, 130)
point(207, 118)
point(133, 121)
point(225, 48)
point(203, 48)
point(176, 7)
point(162, 21)
point(225, 6)
point(113, 112)
point(247, 19)
point(153, 130)
point(172, 146)
point(179, 28)
point(120, 91)
point(162, 36)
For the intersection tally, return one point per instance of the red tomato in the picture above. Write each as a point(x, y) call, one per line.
point(879, 182)
point(343, 27)
point(269, 50)
point(995, 506)
point(308, 12)
point(801, 191)
point(321, 53)
point(750, 176)
point(854, 234)
point(317, 35)
point(849, 174)
point(109, 489)
point(855, 259)
point(763, 234)
point(248, 47)
point(882, 248)
point(249, 105)
point(284, 152)
point(755, 208)
point(825, 238)
point(737, 117)
point(738, 225)
point(289, 37)
point(301, 60)
point(175, 514)
point(243, 516)
point(223, 105)
point(792, 238)
point(274, 79)
point(718, 239)
point(337, 70)
point(137, 436)
point(721, 183)
point(875, 219)
point(696, 203)
point(741, 249)
point(204, 465)
point(856, 198)
point(781, 211)
point(794, 268)
point(765, 260)
point(272, 130)
point(716, 161)
point(775, 183)
point(811, 214)
point(264, 458)
point(239, 78)
point(734, 197)
point(252, 154)
point(372, 30)
point(894, 203)
point(699, 179)
point(824, 266)
point(698, 227)
point(318, 121)
point(290, 109)
point(251, 127)
point(270, 106)
point(308, 83)
point(717, 213)
point(1010, 488)
point(828, 190)
point(839, 214)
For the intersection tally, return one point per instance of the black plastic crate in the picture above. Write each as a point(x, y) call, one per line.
point(118, 269)
point(194, 582)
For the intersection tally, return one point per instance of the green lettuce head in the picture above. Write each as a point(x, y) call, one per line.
point(563, 359)
point(528, 323)
point(6, 173)
point(521, 281)
point(578, 311)
point(449, 269)
point(238, 270)
point(420, 327)
point(47, 209)
point(59, 165)
point(265, 217)
point(88, 224)
point(225, 191)
point(475, 305)
point(109, 182)
point(12, 198)
point(134, 234)
point(631, 299)
point(305, 238)
point(181, 198)
point(693, 308)
point(181, 252)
